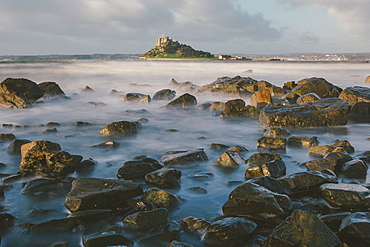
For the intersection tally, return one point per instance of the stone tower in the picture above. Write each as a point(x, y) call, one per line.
point(161, 40)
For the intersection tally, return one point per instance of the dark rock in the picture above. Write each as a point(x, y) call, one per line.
point(359, 98)
point(6, 221)
point(52, 124)
point(164, 178)
point(96, 193)
point(355, 229)
point(174, 83)
point(7, 137)
point(306, 182)
point(322, 164)
point(321, 151)
point(273, 169)
point(161, 239)
point(302, 229)
point(56, 226)
point(333, 221)
point(232, 87)
point(95, 104)
point(217, 146)
point(276, 131)
point(175, 243)
point(161, 198)
point(237, 149)
point(107, 145)
point(164, 94)
point(137, 98)
point(41, 185)
point(41, 146)
point(271, 142)
point(21, 87)
point(289, 85)
point(137, 169)
point(193, 224)
point(12, 100)
point(80, 123)
point(236, 109)
point(230, 231)
point(324, 112)
point(51, 90)
point(303, 142)
point(307, 98)
point(198, 190)
point(344, 144)
point(183, 158)
point(269, 183)
point(354, 169)
point(105, 239)
point(141, 111)
point(87, 89)
point(339, 156)
point(365, 156)
point(217, 106)
point(145, 220)
point(185, 101)
point(229, 159)
point(204, 106)
point(257, 202)
point(91, 215)
point(120, 128)
point(53, 130)
point(262, 158)
point(346, 196)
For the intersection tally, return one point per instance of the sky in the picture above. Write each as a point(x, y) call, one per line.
point(41, 27)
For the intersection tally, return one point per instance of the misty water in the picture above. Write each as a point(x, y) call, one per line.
point(195, 129)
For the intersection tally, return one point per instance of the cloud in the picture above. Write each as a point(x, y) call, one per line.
point(306, 36)
point(85, 25)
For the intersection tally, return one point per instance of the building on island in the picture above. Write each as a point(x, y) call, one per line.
point(162, 40)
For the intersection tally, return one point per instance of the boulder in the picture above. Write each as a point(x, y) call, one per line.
point(183, 158)
point(217, 106)
point(274, 169)
point(261, 98)
point(333, 221)
point(269, 183)
point(346, 196)
point(164, 178)
point(56, 226)
point(256, 202)
point(345, 145)
point(324, 112)
point(232, 87)
point(238, 149)
point(107, 145)
point(359, 98)
point(236, 109)
point(15, 147)
point(146, 220)
point(185, 101)
point(271, 142)
point(321, 151)
point(217, 146)
point(137, 98)
point(230, 231)
point(302, 229)
point(103, 239)
point(120, 128)
point(6, 221)
point(42, 146)
point(319, 86)
point(161, 198)
point(193, 224)
point(276, 131)
point(355, 229)
point(289, 85)
point(302, 142)
point(13, 100)
point(354, 169)
point(307, 98)
point(164, 94)
point(97, 193)
point(262, 158)
point(367, 79)
point(365, 156)
point(307, 182)
point(21, 87)
point(51, 90)
point(41, 185)
point(7, 137)
point(322, 164)
point(137, 169)
point(229, 159)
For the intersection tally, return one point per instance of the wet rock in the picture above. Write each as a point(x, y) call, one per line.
point(198, 190)
point(289, 85)
point(333, 221)
point(232, 87)
point(355, 229)
point(91, 215)
point(193, 224)
point(12, 100)
point(175, 243)
point(236, 109)
point(51, 90)
point(217, 106)
point(164, 94)
point(104, 239)
point(95, 104)
point(161, 239)
point(346, 196)
point(185, 101)
point(324, 112)
point(6, 221)
point(269, 183)
point(365, 156)
point(164, 178)
point(21, 87)
point(238, 149)
point(339, 156)
point(186, 84)
point(271, 142)
point(229, 159)
point(56, 226)
point(42, 146)
point(367, 79)
point(359, 98)
point(217, 146)
point(322, 164)
point(313, 85)
point(345, 145)
point(302, 142)
point(183, 158)
point(145, 220)
point(120, 128)
point(81, 123)
point(137, 98)
point(96, 193)
point(204, 106)
point(276, 131)
point(230, 231)
point(53, 130)
point(137, 169)
point(87, 89)
point(262, 158)
point(321, 151)
point(41, 185)
point(273, 169)
point(354, 169)
point(257, 202)
point(261, 98)
point(107, 145)
point(306, 182)
point(202, 176)
point(307, 98)
point(161, 198)
point(7, 137)
point(302, 229)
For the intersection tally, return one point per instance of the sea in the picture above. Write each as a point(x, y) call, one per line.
point(195, 129)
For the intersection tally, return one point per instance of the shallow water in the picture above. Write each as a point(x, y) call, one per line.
point(196, 129)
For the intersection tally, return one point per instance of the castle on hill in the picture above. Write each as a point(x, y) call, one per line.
point(162, 40)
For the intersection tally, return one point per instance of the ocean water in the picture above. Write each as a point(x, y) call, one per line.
point(195, 129)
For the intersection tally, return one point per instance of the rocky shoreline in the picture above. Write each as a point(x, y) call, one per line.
point(326, 205)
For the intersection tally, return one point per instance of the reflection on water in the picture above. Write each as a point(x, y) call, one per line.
point(195, 129)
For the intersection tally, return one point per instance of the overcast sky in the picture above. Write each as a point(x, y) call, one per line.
point(33, 27)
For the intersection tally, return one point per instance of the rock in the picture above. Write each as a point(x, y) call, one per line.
point(359, 98)
point(262, 158)
point(87, 89)
point(339, 156)
point(261, 98)
point(137, 98)
point(238, 149)
point(185, 101)
point(95, 104)
point(161, 198)
point(53, 130)
point(367, 79)
point(187, 84)
point(302, 142)
point(313, 85)
point(333, 221)
point(107, 145)
point(257, 202)
point(184, 158)
point(12, 100)
point(91, 215)
point(161, 239)
point(365, 156)
point(307, 98)
point(232, 87)
point(204, 106)
point(271, 142)
point(230, 231)
point(145, 220)
point(321, 151)
point(41, 185)
point(175, 243)
point(346, 196)
point(355, 229)
point(324, 112)
point(56, 226)
point(354, 169)
point(164, 178)
point(97, 193)
point(217, 106)
point(120, 128)
point(276, 131)
point(289, 85)
point(193, 224)
point(229, 159)
point(274, 169)
point(344, 144)
point(276, 91)
point(269, 183)
point(302, 229)
point(51, 90)
point(307, 182)
point(81, 123)
point(21, 87)
point(217, 146)
point(322, 164)
point(104, 239)
point(198, 190)
point(42, 146)
point(164, 94)
point(7, 137)
point(137, 169)
point(236, 109)
point(6, 221)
